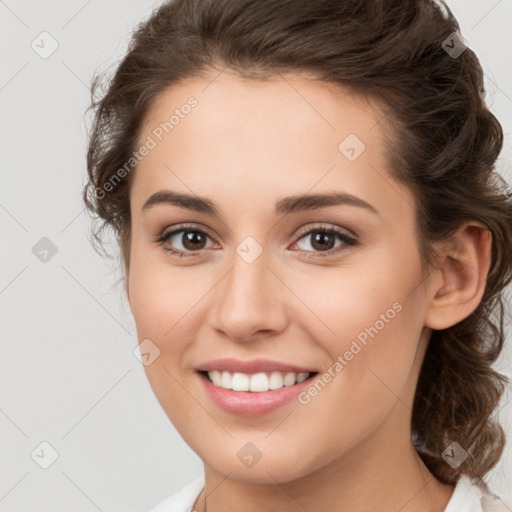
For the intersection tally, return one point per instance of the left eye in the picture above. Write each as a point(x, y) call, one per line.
point(321, 239)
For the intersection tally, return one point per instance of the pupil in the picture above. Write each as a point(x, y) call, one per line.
point(192, 237)
point(320, 239)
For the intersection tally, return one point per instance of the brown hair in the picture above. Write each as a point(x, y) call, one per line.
point(388, 50)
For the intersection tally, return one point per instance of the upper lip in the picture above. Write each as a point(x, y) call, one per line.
point(252, 366)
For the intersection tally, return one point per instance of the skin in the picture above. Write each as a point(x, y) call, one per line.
point(246, 145)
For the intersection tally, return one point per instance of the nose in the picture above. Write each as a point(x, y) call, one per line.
point(249, 302)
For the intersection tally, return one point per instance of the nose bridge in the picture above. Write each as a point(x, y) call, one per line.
point(248, 300)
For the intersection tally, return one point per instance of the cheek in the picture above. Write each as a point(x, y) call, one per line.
point(363, 301)
point(369, 320)
point(161, 296)
point(159, 306)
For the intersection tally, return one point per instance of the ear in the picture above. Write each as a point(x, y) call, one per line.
point(460, 278)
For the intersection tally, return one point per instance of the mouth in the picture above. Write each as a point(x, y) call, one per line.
point(253, 394)
point(256, 382)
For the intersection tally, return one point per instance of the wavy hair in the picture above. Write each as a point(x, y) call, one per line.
point(442, 142)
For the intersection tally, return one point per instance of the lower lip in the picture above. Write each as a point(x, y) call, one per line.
point(252, 403)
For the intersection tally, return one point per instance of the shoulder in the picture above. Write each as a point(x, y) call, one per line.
point(469, 495)
point(491, 503)
point(183, 500)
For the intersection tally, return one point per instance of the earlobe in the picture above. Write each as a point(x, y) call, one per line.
point(464, 267)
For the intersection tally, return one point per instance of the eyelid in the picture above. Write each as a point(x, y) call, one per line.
point(349, 240)
point(329, 228)
point(184, 226)
point(176, 228)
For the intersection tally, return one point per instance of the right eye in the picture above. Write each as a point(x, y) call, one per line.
point(191, 239)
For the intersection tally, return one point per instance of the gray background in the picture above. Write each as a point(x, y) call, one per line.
point(68, 375)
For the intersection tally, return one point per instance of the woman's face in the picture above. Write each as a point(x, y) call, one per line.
point(267, 283)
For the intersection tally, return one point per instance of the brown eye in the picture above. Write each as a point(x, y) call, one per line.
point(193, 240)
point(323, 239)
point(184, 239)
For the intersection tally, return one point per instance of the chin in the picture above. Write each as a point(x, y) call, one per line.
point(280, 466)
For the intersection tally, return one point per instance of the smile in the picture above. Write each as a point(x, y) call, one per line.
point(256, 382)
point(252, 388)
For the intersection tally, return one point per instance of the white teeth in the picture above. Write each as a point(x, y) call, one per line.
point(275, 381)
point(256, 382)
point(226, 380)
point(289, 379)
point(302, 376)
point(215, 376)
point(240, 382)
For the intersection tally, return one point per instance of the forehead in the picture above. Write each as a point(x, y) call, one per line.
point(234, 136)
point(227, 101)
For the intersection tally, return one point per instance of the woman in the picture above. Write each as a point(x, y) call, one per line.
point(315, 245)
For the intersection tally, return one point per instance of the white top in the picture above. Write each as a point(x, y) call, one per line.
point(466, 497)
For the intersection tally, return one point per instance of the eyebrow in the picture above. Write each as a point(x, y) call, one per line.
point(292, 204)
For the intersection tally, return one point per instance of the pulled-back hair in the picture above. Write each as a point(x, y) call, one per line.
point(442, 142)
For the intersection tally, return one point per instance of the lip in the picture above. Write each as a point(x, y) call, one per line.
point(254, 366)
point(250, 403)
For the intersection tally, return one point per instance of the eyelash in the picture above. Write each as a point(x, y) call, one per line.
point(346, 239)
